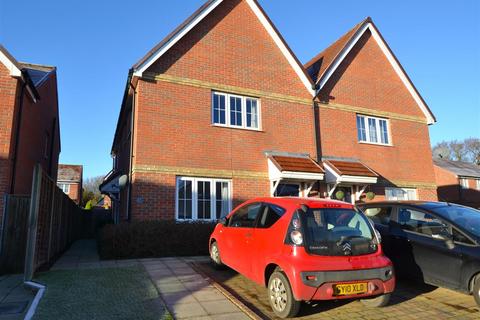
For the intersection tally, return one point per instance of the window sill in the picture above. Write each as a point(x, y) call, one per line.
point(376, 144)
point(237, 128)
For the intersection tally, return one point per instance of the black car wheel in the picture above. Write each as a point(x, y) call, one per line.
point(215, 256)
point(281, 297)
point(476, 290)
point(377, 302)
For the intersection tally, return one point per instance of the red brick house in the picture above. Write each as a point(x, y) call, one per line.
point(221, 111)
point(458, 182)
point(70, 180)
point(29, 123)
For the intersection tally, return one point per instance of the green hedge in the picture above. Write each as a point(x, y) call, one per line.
point(147, 239)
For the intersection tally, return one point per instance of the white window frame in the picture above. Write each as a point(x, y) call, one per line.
point(65, 187)
point(464, 183)
point(213, 190)
point(478, 184)
point(244, 111)
point(405, 191)
point(377, 129)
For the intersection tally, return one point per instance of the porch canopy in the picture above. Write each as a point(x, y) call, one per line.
point(352, 173)
point(292, 168)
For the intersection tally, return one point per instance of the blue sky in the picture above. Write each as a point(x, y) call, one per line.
point(94, 43)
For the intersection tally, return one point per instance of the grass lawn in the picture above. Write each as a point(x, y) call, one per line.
point(113, 293)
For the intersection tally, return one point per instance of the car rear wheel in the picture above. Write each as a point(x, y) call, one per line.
point(377, 302)
point(476, 290)
point(215, 255)
point(281, 296)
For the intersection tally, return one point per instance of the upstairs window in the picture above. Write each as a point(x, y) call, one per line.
point(235, 111)
point(65, 187)
point(373, 130)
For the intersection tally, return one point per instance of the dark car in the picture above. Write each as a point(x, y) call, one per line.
point(436, 242)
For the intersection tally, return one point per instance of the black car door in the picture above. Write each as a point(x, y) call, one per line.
point(381, 216)
point(426, 251)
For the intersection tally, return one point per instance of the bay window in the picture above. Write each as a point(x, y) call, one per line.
point(202, 198)
point(235, 111)
point(372, 130)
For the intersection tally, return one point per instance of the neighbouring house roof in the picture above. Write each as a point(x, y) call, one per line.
point(350, 168)
point(164, 45)
point(69, 173)
point(298, 164)
point(322, 66)
point(459, 168)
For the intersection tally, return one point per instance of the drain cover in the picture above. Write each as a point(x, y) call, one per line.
point(13, 307)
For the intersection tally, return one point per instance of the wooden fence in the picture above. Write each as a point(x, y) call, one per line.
point(14, 235)
point(54, 222)
point(39, 227)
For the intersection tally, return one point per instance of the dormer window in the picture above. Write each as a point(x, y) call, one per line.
point(235, 111)
point(373, 130)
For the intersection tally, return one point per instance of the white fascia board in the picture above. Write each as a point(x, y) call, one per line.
point(146, 64)
point(14, 71)
point(276, 38)
point(390, 58)
point(358, 179)
point(332, 176)
point(301, 175)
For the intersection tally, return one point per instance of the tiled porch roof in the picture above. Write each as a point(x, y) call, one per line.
point(297, 164)
point(349, 168)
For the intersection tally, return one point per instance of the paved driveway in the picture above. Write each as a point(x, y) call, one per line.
point(410, 301)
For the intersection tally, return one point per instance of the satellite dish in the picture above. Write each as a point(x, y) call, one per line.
point(122, 181)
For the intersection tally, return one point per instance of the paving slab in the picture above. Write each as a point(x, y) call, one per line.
point(15, 298)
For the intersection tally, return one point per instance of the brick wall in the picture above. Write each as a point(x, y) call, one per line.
point(366, 79)
point(173, 121)
point(39, 130)
point(8, 93)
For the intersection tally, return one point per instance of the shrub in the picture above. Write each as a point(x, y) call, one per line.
point(146, 239)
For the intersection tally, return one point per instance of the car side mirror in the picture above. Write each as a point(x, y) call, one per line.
point(444, 235)
point(223, 221)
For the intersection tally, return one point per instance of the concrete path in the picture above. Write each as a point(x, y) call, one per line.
point(187, 294)
point(14, 297)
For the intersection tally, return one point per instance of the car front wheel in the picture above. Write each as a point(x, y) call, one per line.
point(377, 302)
point(476, 290)
point(215, 255)
point(281, 296)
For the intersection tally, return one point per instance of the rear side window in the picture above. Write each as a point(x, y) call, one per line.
point(245, 217)
point(420, 222)
point(379, 215)
point(271, 213)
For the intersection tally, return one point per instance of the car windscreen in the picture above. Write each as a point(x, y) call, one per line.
point(467, 219)
point(338, 232)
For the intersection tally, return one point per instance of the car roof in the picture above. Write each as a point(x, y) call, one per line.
point(310, 202)
point(425, 205)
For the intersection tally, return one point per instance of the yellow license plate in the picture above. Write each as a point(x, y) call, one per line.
point(351, 288)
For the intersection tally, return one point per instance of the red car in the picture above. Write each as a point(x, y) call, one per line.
point(304, 249)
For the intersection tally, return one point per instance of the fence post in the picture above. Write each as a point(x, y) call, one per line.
point(33, 223)
point(52, 214)
point(4, 223)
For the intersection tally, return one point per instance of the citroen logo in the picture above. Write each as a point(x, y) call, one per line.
point(347, 248)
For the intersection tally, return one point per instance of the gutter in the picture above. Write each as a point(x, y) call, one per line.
point(132, 134)
point(38, 296)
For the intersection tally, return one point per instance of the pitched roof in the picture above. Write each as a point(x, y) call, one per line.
point(164, 45)
point(350, 168)
point(297, 164)
point(318, 64)
point(459, 168)
point(70, 172)
point(322, 66)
